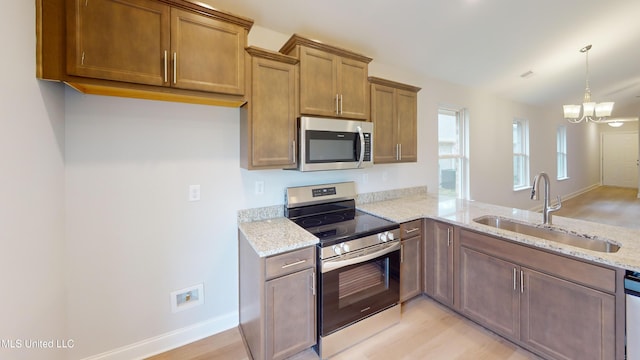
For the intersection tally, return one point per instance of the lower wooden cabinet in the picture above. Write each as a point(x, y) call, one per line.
point(558, 307)
point(277, 301)
point(411, 263)
point(290, 314)
point(488, 292)
point(439, 269)
point(564, 320)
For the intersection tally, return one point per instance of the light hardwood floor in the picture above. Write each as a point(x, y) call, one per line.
point(429, 330)
point(605, 204)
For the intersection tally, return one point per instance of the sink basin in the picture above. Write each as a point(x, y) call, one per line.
point(548, 233)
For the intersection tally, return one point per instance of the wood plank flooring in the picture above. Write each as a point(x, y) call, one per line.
point(605, 204)
point(429, 330)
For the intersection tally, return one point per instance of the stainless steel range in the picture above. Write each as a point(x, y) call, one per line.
point(358, 264)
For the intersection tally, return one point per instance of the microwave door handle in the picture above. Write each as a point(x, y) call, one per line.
point(361, 147)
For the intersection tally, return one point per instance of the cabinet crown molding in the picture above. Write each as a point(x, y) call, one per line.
point(208, 10)
point(271, 55)
point(393, 84)
point(296, 40)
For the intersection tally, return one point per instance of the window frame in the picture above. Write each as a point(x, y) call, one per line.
point(561, 153)
point(462, 155)
point(523, 155)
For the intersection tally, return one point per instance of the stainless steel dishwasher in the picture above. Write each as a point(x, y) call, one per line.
point(632, 291)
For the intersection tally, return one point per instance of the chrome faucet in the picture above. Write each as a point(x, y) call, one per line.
point(547, 209)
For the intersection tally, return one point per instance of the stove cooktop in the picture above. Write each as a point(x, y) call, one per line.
point(340, 226)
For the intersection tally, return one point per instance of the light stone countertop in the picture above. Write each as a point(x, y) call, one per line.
point(461, 213)
point(278, 235)
point(275, 236)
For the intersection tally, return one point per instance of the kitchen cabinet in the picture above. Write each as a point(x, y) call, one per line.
point(175, 50)
point(333, 81)
point(277, 301)
point(439, 269)
point(558, 307)
point(394, 112)
point(268, 120)
point(411, 260)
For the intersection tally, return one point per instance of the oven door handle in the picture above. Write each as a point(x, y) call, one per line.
point(361, 159)
point(337, 264)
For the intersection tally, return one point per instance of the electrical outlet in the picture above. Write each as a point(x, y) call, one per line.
point(194, 192)
point(259, 187)
point(187, 298)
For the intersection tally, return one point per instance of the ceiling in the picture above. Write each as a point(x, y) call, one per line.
point(485, 44)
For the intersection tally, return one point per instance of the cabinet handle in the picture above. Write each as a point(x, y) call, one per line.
point(411, 230)
point(397, 152)
point(340, 103)
point(521, 282)
point(402, 253)
point(294, 152)
point(82, 61)
point(313, 283)
point(294, 263)
point(514, 278)
point(175, 67)
point(166, 67)
point(400, 146)
point(337, 106)
point(448, 236)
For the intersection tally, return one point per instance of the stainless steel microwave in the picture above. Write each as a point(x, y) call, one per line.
point(334, 144)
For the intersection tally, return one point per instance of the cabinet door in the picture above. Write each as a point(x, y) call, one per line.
point(442, 258)
point(488, 291)
point(353, 88)
point(207, 54)
point(410, 268)
point(566, 321)
point(385, 126)
point(407, 117)
point(318, 89)
point(118, 40)
point(273, 114)
point(290, 314)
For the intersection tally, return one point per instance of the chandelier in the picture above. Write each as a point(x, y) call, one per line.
point(590, 110)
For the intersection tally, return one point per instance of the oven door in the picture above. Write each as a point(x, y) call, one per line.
point(357, 285)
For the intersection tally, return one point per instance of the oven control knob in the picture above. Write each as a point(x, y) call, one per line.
point(390, 236)
point(337, 250)
point(382, 237)
point(345, 247)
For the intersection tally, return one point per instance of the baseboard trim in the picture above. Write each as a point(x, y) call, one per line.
point(569, 196)
point(171, 340)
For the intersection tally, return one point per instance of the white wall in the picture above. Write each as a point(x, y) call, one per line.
point(122, 235)
point(31, 195)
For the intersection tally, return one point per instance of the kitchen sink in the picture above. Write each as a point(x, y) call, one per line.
point(548, 233)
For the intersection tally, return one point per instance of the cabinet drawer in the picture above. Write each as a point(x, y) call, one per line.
point(290, 262)
point(411, 229)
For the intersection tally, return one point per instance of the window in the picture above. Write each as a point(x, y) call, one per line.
point(452, 151)
point(520, 154)
point(561, 145)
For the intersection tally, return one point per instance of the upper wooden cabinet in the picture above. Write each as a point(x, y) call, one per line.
point(394, 112)
point(158, 49)
point(333, 81)
point(268, 119)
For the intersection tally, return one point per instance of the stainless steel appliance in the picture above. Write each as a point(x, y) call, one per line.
point(334, 144)
point(358, 264)
point(632, 290)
